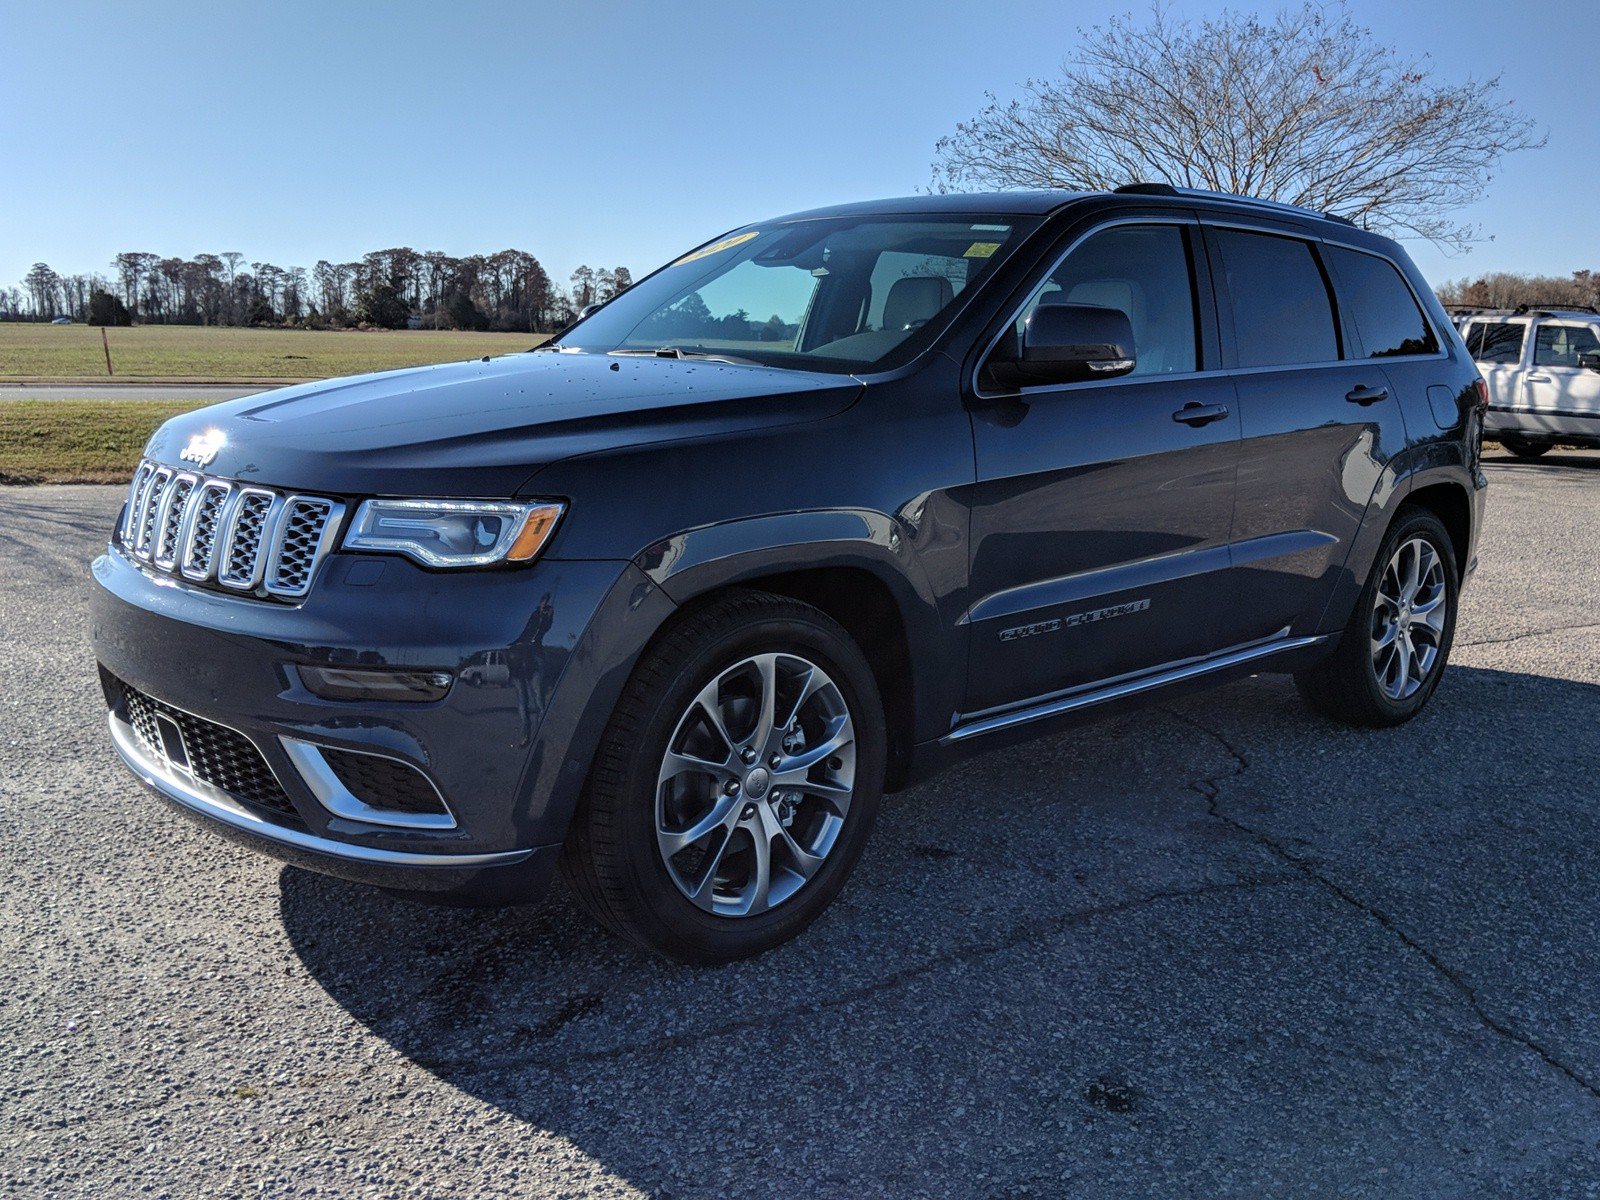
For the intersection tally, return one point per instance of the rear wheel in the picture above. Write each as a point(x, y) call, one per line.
point(735, 785)
point(1522, 448)
point(1393, 651)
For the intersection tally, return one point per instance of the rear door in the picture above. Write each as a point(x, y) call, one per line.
point(1496, 345)
point(1318, 425)
point(1562, 394)
point(1101, 510)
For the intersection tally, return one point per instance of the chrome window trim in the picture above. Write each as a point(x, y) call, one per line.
point(1202, 221)
point(1114, 222)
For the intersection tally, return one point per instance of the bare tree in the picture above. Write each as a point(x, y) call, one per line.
point(1304, 107)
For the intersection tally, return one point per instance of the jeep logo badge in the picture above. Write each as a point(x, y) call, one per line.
point(203, 447)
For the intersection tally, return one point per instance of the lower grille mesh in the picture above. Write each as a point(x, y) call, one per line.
point(382, 782)
point(221, 757)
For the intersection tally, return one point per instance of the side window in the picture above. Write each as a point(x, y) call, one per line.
point(1144, 271)
point(1281, 311)
point(1560, 345)
point(1382, 303)
point(1496, 341)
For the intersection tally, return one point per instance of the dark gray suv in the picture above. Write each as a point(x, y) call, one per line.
point(818, 508)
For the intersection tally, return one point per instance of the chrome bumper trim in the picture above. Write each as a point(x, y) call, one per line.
point(341, 802)
point(181, 790)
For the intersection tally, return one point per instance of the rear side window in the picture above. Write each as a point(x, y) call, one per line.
point(1560, 345)
point(1282, 314)
point(1384, 308)
point(1495, 341)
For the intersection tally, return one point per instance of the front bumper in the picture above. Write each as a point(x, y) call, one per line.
point(537, 657)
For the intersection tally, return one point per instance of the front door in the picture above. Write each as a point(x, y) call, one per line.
point(1563, 394)
point(1101, 514)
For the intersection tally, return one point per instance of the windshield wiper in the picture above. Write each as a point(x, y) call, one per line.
point(689, 352)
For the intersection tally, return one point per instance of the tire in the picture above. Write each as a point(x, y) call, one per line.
point(1361, 684)
point(696, 690)
point(1522, 448)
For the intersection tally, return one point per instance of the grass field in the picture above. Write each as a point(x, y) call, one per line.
point(49, 353)
point(77, 441)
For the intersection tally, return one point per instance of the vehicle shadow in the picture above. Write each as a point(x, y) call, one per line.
point(1579, 460)
point(1051, 959)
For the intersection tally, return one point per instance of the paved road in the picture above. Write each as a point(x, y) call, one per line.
point(200, 393)
point(1214, 949)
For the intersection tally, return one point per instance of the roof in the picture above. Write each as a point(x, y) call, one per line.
point(1041, 202)
point(1030, 203)
point(1470, 312)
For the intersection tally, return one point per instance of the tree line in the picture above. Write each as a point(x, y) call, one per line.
point(1507, 289)
point(387, 289)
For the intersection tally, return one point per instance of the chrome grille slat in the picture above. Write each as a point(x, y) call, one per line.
point(245, 538)
point(170, 518)
point(149, 508)
point(297, 543)
point(197, 561)
point(240, 563)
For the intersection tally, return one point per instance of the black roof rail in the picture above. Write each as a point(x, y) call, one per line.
point(1521, 310)
point(1167, 189)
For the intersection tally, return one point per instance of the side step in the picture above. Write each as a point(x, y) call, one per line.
point(1117, 690)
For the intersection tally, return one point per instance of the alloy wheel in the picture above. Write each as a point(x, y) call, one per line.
point(1409, 617)
point(755, 784)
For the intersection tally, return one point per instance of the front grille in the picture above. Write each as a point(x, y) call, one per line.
point(382, 782)
point(224, 534)
point(216, 755)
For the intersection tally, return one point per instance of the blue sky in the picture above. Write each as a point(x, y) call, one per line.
point(612, 133)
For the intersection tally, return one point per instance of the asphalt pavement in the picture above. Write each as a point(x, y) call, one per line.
point(1216, 948)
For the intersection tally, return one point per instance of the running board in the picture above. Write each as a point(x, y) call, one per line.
point(1128, 687)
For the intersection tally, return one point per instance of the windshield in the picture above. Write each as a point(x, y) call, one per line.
point(835, 294)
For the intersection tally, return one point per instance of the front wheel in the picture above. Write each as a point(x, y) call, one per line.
point(1393, 651)
point(736, 784)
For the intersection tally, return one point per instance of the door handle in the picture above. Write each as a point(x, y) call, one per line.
point(1195, 413)
point(1539, 379)
point(1367, 395)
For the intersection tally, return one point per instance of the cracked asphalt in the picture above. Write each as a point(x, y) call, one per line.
point(1215, 948)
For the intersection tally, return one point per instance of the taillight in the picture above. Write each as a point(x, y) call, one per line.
point(1483, 393)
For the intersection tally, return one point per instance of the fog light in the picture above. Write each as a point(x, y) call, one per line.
point(346, 683)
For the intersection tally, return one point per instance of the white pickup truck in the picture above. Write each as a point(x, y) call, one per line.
point(1542, 366)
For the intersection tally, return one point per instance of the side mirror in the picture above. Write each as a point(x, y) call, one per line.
point(588, 310)
point(1589, 362)
point(1070, 343)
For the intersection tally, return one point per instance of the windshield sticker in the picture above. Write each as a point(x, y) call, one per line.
point(981, 249)
point(717, 247)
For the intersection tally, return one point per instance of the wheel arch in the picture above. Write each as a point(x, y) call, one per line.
point(859, 569)
point(1451, 504)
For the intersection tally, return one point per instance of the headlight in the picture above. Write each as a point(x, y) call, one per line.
point(454, 533)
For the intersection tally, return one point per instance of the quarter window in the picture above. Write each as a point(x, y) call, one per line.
point(1496, 341)
point(1382, 303)
point(1143, 270)
point(1282, 314)
point(1560, 345)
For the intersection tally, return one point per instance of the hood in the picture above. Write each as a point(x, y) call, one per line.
point(481, 428)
